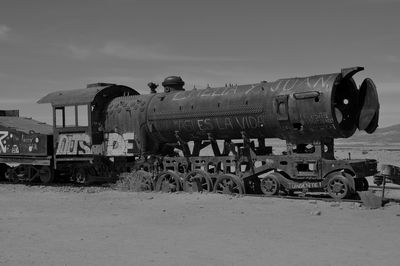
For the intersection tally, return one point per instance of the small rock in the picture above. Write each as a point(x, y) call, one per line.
point(316, 213)
point(150, 198)
point(164, 210)
point(335, 204)
point(91, 190)
point(398, 214)
point(312, 202)
point(391, 203)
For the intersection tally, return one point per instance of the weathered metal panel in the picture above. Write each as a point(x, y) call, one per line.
point(22, 136)
point(291, 108)
point(14, 113)
point(69, 97)
point(25, 160)
point(299, 110)
point(25, 125)
point(125, 124)
point(73, 144)
point(84, 96)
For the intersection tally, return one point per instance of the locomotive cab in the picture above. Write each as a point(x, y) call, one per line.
point(78, 125)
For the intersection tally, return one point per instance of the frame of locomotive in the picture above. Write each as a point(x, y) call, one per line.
point(104, 130)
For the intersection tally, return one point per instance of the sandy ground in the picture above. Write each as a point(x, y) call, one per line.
point(100, 226)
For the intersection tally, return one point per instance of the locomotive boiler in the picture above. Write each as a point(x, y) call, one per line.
point(298, 110)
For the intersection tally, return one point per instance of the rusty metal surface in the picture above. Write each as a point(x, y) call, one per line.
point(125, 124)
point(298, 110)
point(25, 125)
point(14, 113)
point(22, 136)
point(85, 95)
point(295, 109)
point(369, 105)
point(26, 160)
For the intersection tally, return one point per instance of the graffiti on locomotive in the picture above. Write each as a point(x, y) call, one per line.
point(284, 85)
point(220, 123)
point(80, 144)
point(120, 144)
point(69, 144)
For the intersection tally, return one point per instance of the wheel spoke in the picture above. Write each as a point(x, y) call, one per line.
point(197, 181)
point(228, 184)
point(168, 182)
point(338, 187)
point(270, 184)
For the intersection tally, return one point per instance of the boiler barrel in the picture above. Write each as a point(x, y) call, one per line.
point(295, 109)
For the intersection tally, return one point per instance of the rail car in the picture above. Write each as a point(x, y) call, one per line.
point(27, 146)
point(105, 129)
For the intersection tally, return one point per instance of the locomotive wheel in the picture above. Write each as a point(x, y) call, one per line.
point(81, 176)
point(11, 175)
point(338, 187)
point(197, 181)
point(168, 181)
point(46, 175)
point(229, 184)
point(270, 184)
point(142, 181)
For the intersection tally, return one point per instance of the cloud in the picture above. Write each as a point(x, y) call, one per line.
point(137, 52)
point(133, 52)
point(152, 53)
point(376, 2)
point(6, 101)
point(78, 52)
point(383, 1)
point(4, 32)
point(390, 58)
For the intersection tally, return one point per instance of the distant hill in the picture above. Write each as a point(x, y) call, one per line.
point(385, 135)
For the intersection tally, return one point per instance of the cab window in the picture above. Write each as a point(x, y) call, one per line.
point(65, 116)
point(70, 116)
point(60, 117)
point(83, 118)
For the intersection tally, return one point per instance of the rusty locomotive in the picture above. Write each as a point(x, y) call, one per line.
point(214, 139)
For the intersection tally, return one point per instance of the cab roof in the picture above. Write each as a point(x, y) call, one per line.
point(86, 95)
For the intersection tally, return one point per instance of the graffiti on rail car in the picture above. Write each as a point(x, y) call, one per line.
point(15, 142)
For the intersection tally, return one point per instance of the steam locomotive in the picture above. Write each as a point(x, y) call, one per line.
point(212, 139)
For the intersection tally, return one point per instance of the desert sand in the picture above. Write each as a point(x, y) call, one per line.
point(50, 225)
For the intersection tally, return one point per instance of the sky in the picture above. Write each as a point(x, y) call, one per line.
point(50, 45)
